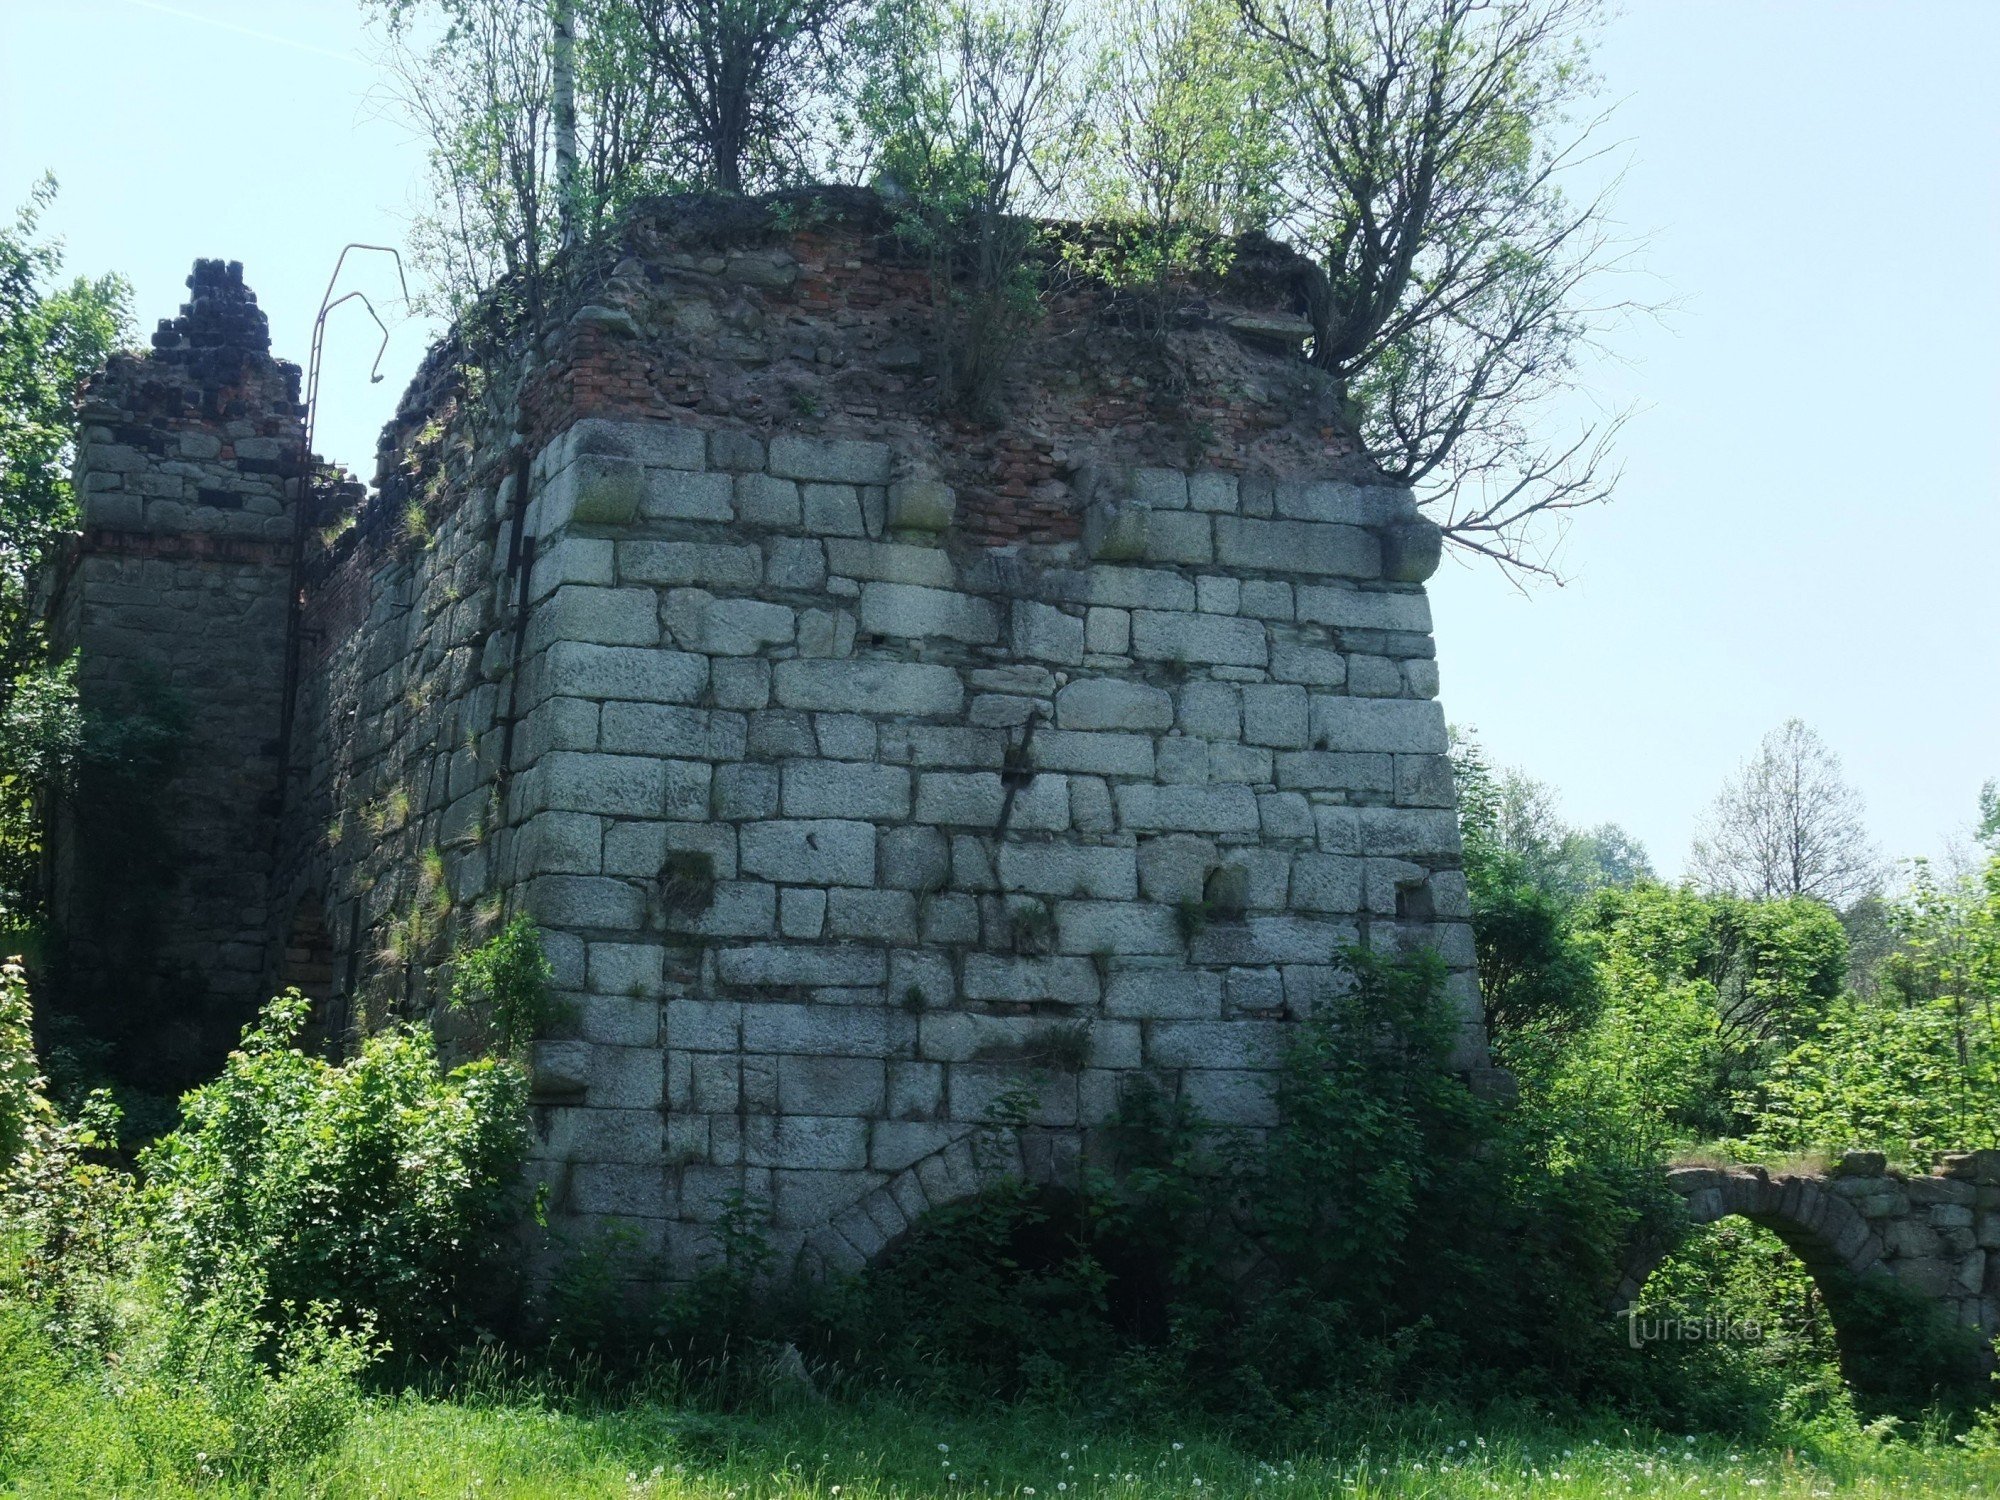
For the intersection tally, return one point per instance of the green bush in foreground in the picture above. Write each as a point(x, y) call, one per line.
point(376, 1187)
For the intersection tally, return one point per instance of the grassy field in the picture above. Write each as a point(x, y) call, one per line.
point(878, 1450)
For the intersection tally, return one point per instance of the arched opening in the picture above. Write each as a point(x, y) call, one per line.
point(1779, 1292)
point(1731, 1321)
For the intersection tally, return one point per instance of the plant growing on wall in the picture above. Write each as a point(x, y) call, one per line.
point(506, 980)
point(971, 117)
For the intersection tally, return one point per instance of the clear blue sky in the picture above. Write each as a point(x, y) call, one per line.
point(1809, 521)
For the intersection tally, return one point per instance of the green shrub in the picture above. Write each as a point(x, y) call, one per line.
point(1393, 1231)
point(375, 1187)
point(505, 981)
point(21, 1102)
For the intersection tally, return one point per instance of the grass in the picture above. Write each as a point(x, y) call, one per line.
point(874, 1448)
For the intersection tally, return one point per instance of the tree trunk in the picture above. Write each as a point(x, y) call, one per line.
point(562, 16)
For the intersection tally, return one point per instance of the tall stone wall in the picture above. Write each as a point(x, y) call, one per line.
point(174, 598)
point(845, 839)
point(871, 774)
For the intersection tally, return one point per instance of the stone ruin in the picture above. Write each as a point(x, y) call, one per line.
point(868, 771)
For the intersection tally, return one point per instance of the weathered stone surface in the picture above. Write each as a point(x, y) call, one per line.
point(1407, 726)
point(1297, 547)
point(885, 687)
point(902, 609)
point(816, 851)
point(1217, 809)
point(1113, 703)
point(840, 461)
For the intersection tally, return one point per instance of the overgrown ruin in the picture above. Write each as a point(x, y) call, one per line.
point(872, 774)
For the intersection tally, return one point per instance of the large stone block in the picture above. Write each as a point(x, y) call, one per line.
point(586, 901)
point(1326, 882)
point(593, 490)
point(1094, 754)
point(884, 687)
point(1119, 928)
point(819, 1143)
point(649, 443)
point(1231, 1097)
point(1113, 703)
point(815, 852)
point(774, 965)
point(830, 460)
point(1164, 994)
point(602, 616)
point(960, 797)
point(1359, 609)
point(1046, 633)
point(840, 789)
point(874, 916)
point(1297, 547)
point(630, 786)
point(1107, 874)
point(907, 610)
point(1216, 639)
point(921, 505)
point(677, 564)
point(1275, 715)
point(1139, 588)
point(1189, 809)
point(1025, 980)
point(580, 669)
point(891, 562)
point(1215, 1044)
point(762, 500)
point(674, 495)
point(725, 627)
point(672, 730)
point(827, 1030)
point(1400, 725)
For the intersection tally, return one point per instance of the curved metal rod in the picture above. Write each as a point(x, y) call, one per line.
point(375, 370)
point(303, 509)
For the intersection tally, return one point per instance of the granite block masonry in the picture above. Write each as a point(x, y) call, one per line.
point(174, 600)
point(861, 774)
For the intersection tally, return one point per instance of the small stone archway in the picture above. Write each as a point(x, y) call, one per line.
point(863, 1233)
point(1937, 1236)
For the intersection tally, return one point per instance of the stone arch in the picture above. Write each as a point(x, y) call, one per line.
point(862, 1234)
point(1823, 1229)
point(1857, 1232)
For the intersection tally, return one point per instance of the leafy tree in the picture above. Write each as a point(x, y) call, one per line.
point(1183, 152)
point(1182, 130)
point(53, 335)
point(972, 115)
point(1528, 873)
point(1702, 993)
point(1913, 1066)
point(1429, 142)
point(524, 156)
point(745, 78)
point(1788, 824)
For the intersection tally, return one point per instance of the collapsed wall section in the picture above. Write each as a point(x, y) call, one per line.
point(848, 842)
